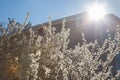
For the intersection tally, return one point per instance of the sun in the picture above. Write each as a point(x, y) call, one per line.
point(96, 11)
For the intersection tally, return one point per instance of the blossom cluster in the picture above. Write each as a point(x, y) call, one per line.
point(27, 55)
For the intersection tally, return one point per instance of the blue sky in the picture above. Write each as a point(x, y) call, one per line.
point(41, 9)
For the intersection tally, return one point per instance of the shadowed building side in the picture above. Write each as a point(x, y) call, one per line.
point(81, 23)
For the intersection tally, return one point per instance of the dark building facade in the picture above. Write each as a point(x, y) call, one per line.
point(80, 23)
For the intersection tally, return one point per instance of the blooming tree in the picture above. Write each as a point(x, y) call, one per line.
point(27, 55)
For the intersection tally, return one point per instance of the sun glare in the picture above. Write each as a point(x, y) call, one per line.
point(96, 11)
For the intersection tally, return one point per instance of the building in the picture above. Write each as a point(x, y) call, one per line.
point(80, 23)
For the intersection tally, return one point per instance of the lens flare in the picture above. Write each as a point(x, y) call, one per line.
point(96, 11)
